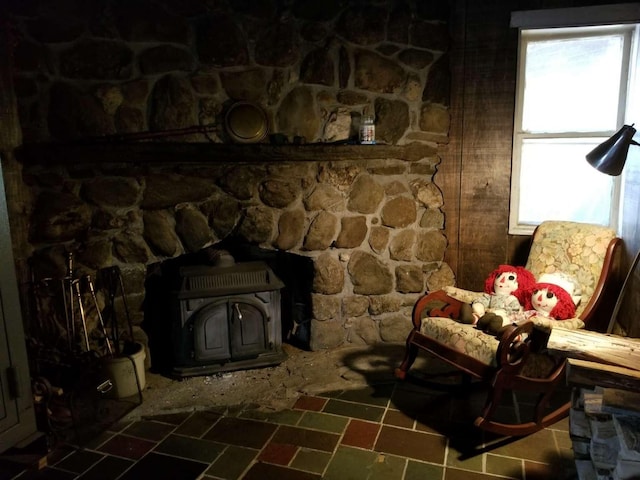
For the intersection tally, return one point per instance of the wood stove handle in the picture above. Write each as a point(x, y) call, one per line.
point(235, 305)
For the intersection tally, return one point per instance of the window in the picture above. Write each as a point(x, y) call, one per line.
point(575, 89)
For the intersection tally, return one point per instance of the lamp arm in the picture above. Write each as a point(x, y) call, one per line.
point(625, 285)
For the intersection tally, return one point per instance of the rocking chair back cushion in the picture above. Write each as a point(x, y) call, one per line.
point(574, 248)
point(577, 249)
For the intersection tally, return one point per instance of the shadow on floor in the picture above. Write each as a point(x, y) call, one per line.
point(442, 400)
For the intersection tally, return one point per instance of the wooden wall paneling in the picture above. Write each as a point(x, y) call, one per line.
point(489, 90)
point(449, 170)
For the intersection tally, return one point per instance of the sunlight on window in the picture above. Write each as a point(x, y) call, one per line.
point(572, 84)
point(557, 184)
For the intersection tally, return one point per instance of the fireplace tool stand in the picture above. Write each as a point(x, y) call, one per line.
point(69, 346)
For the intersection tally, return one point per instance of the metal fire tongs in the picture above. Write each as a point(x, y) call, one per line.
point(112, 279)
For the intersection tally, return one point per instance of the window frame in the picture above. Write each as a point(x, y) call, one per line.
point(566, 23)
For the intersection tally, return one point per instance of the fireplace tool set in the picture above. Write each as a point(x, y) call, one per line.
point(72, 341)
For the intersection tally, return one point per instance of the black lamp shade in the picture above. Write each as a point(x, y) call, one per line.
point(610, 155)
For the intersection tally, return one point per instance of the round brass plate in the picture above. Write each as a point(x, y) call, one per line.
point(246, 122)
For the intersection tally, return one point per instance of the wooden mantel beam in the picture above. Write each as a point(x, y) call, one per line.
point(185, 153)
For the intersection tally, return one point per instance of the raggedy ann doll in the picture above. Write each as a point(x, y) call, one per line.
point(545, 299)
point(504, 291)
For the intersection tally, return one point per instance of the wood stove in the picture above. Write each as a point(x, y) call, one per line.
point(226, 318)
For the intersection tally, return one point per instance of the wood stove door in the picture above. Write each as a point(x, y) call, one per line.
point(211, 333)
point(248, 324)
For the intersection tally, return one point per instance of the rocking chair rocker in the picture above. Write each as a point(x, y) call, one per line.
point(508, 364)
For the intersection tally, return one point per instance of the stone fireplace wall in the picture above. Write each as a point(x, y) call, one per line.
point(369, 216)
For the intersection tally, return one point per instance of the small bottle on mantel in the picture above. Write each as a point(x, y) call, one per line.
point(367, 130)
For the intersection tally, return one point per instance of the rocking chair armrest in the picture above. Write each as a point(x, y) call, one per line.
point(435, 304)
point(466, 296)
point(514, 345)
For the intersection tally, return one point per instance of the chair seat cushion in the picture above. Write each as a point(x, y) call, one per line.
point(463, 338)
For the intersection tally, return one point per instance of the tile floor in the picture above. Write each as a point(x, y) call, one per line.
point(394, 430)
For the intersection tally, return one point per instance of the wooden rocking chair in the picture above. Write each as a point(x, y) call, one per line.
point(507, 364)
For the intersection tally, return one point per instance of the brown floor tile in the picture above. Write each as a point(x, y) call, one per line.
point(119, 426)
point(128, 447)
point(198, 423)
point(315, 404)
point(561, 468)
point(171, 418)
point(361, 434)
point(163, 466)
point(109, 468)
point(149, 430)
point(538, 447)
point(423, 404)
point(189, 447)
point(354, 410)
point(463, 438)
point(79, 461)
point(244, 433)
point(563, 440)
point(561, 425)
point(278, 453)
point(377, 395)
point(398, 419)
point(407, 443)
point(265, 471)
point(306, 438)
point(101, 438)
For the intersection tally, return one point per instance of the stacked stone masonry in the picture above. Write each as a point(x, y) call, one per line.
point(373, 227)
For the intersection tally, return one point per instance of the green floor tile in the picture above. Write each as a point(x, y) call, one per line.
point(354, 410)
point(355, 464)
point(324, 422)
point(306, 438)
point(458, 460)
point(422, 471)
point(378, 395)
point(504, 466)
point(284, 417)
point(232, 463)
point(537, 447)
point(311, 460)
point(388, 467)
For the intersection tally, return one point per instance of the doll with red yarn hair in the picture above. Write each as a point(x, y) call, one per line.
point(544, 299)
point(551, 301)
point(504, 291)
